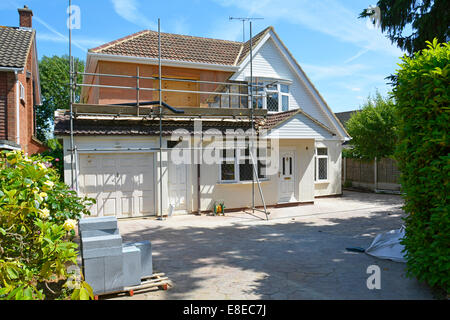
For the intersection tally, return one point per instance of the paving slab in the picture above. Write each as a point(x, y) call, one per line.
point(298, 254)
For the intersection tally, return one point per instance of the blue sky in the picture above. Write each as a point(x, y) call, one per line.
point(344, 57)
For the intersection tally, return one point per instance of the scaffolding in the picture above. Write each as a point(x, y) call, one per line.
point(154, 110)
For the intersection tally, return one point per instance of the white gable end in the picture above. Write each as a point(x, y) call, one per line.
point(300, 127)
point(270, 62)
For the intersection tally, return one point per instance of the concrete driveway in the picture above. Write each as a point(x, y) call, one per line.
point(298, 254)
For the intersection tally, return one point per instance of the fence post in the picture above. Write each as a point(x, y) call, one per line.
point(345, 169)
point(375, 178)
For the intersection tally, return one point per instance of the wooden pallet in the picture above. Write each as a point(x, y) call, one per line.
point(156, 280)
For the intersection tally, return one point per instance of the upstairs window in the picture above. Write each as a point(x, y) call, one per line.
point(271, 95)
point(21, 92)
point(284, 92)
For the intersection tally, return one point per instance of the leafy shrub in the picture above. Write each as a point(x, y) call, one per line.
point(37, 219)
point(55, 151)
point(373, 129)
point(422, 95)
point(348, 184)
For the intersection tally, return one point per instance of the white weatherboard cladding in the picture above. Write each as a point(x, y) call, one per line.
point(269, 62)
point(300, 127)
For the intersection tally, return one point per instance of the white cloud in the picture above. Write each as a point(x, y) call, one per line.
point(57, 36)
point(129, 10)
point(9, 4)
point(228, 30)
point(316, 72)
point(180, 26)
point(84, 42)
point(325, 16)
point(356, 56)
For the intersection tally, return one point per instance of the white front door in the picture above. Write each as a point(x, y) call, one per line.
point(122, 184)
point(177, 186)
point(286, 177)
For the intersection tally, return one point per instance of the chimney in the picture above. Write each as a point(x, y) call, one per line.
point(25, 16)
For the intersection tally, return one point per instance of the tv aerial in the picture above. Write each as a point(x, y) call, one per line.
point(243, 23)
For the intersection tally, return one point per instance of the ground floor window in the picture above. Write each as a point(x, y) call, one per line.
point(236, 165)
point(321, 164)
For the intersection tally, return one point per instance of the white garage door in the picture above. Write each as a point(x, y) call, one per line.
point(122, 184)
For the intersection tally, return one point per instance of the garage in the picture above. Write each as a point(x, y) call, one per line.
point(121, 183)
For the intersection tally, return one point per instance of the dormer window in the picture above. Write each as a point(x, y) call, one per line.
point(272, 95)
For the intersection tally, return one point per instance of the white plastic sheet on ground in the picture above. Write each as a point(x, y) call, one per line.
point(387, 245)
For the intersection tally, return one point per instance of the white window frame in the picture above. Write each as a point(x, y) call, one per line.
point(21, 92)
point(276, 82)
point(284, 94)
point(239, 156)
point(280, 96)
point(316, 162)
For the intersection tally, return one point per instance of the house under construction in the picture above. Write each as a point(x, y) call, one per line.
point(170, 123)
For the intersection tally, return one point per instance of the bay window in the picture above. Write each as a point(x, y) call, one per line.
point(271, 95)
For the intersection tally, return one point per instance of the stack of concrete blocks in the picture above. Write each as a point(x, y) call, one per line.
point(109, 265)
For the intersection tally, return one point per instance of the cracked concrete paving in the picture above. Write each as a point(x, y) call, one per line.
point(298, 254)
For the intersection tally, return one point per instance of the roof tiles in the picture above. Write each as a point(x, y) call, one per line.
point(180, 47)
point(14, 46)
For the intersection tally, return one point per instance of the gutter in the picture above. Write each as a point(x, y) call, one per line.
point(11, 69)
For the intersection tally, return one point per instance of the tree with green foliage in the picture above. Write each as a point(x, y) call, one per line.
point(374, 129)
point(423, 107)
point(425, 19)
point(54, 78)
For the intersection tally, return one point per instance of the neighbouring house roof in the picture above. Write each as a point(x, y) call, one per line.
point(345, 116)
point(15, 45)
point(180, 47)
point(108, 126)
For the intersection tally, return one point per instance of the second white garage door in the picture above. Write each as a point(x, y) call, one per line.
point(122, 184)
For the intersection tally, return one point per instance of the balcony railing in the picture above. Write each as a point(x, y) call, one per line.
point(174, 91)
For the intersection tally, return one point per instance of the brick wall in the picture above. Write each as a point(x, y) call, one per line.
point(11, 106)
point(8, 109)
point(3, 107)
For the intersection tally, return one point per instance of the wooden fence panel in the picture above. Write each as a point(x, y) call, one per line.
point(362, 172)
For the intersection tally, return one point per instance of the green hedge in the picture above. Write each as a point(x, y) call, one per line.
point(422, 96)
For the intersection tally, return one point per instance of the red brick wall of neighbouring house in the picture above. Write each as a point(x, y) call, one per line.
point(10, 85)
point(3, 107)
point(8, 114)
